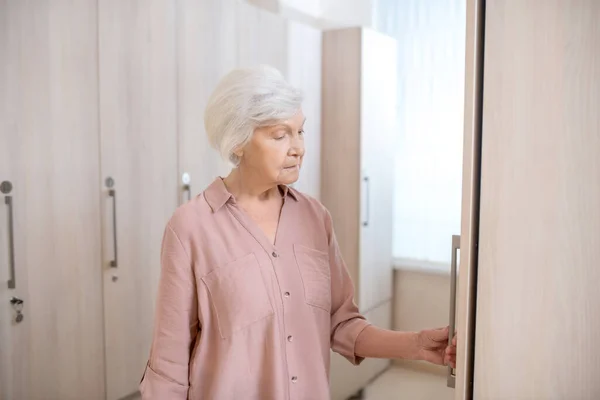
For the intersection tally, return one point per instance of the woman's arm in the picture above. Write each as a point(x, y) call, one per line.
point(354, 338)
point(375, 342)
point(176, 325)
point(429, 345)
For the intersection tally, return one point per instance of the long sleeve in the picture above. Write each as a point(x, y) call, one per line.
point(176, 325)
point(346, 321)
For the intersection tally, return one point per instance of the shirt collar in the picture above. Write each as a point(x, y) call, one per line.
point(217, 195)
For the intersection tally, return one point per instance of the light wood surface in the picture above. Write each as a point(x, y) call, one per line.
point(359, 116)
point(206, 50)
point(340, 161)
point(304, 52)
point(49, 151)
point(467, 271)
point(538, 303)
point(138, 109)
point(261, 37)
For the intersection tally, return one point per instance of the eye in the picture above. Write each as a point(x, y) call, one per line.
point(281, 137)
point(301, 132)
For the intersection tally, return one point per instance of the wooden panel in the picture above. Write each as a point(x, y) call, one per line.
point(138, 89)
point(261, 36)
point(378, 132)
point(206, 50)
point(11, 367)
point(537, 296)
point(346, 379)
point(304, 50)
point(466, 280)
point(49, 151)
point(340, 160)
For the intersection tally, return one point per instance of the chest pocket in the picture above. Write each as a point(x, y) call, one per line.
point(316, 276)
point(239, 295)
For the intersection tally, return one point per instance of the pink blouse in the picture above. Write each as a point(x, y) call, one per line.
point(240, 318)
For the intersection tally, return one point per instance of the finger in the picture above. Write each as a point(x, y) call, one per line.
point(450, 360)
point(451, 350)
point(454, 339)
point(438, 335)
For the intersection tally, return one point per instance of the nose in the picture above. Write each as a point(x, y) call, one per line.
point(297, 148)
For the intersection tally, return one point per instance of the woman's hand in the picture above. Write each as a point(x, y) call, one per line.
point(433, 346)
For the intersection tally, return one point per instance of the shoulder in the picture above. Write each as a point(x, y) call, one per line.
point(313, 207)
point(186, 220)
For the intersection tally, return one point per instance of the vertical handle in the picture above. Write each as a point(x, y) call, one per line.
point(6, 187)
point(187, 187)
point(453, 275)
point(368, 201)
point(113, 193)
point(188, 190)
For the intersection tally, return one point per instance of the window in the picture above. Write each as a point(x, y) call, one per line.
point(428, 169)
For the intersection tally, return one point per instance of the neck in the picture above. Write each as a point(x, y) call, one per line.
point(245, 186)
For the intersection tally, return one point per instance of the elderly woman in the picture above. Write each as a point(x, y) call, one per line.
point(254, 292)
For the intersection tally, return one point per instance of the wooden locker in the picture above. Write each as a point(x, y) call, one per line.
point(527, 299)
point(138, 131)
point(538, 304)
point(49, 152)
point(261, 37)
point(206, 50)
point(304, 54)
point(359, 98)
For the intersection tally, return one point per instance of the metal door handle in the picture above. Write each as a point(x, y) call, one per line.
point(6, 188)
point(113, 193)
point(368, 201)
point(187, 187)
point(453, 272)
point(188, 190)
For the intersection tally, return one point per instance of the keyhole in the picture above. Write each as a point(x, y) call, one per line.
point(17, 305)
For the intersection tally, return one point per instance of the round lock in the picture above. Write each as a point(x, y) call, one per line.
point(5, 187)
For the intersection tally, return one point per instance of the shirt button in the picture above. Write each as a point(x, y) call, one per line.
point(290, 338)
point(286, 294)
point(274, 254)
point(294, 379)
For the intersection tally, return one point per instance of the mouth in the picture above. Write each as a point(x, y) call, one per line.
point(291, 167)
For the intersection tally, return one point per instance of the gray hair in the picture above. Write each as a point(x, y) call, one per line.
point(246, 99)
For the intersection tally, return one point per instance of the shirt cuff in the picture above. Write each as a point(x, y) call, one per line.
point(344, 339)
point(156, 387)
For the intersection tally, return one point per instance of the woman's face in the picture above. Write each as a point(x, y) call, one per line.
point(274, 154)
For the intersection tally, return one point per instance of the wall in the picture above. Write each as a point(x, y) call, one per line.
point(421, 301)
point(326, 14)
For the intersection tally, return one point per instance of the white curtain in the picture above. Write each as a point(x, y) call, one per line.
point(428, 170)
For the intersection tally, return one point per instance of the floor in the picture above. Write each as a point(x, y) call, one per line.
point(399, 383)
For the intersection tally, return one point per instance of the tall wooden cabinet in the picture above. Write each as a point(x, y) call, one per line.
point(304, 55)
point(206, 50)
point(528, 302)
point(359, 112)
point(50, 218)
point(138, 147)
